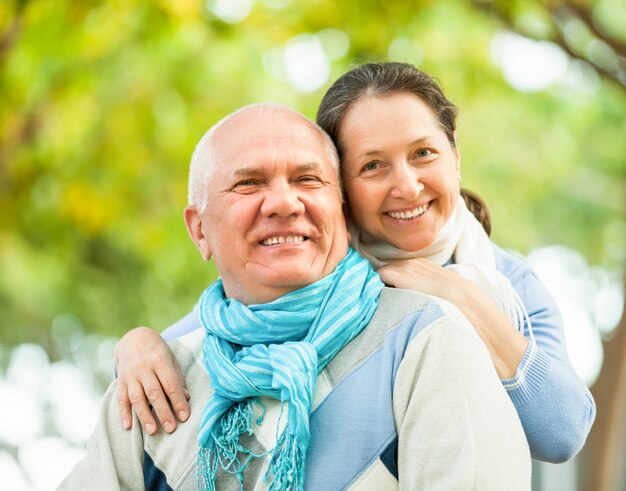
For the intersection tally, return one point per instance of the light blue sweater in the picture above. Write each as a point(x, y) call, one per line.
point(554, 405)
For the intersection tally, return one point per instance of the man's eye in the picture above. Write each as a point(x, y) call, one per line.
point(371, 166)
point(309, 179)
point(246, 185)
point(247, 182)
point(423, 152)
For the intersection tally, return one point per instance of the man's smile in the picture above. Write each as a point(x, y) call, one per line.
point(283, 239)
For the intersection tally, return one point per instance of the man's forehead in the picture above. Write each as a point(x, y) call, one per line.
point(260, 147)
point(275, 130)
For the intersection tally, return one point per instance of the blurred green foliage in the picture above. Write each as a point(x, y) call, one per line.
point(101, 104)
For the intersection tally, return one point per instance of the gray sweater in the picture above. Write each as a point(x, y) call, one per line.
point(413, 402)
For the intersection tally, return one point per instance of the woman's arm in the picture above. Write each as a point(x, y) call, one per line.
point(554, 405)
point(506, 345)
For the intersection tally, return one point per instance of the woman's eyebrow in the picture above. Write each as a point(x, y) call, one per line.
point(418, 141)
point(421, 139)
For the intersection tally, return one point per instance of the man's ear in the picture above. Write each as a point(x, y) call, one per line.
point(193, 221)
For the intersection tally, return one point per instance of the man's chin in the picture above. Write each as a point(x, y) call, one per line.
point(285, 278)
point(290, 273)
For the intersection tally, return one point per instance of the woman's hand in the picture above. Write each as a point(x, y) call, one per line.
point(149, 375)
point(506, 345)
point(421, 275)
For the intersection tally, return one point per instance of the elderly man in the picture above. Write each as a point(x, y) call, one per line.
point(308, 373)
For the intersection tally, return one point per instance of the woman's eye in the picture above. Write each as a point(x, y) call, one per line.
point(423, 152)
point(371, 166)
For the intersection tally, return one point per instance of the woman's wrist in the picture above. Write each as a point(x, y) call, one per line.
point(506, 345)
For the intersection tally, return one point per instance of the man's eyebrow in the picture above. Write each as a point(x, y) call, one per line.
point(308, 166)
point(256, 171)
point(247, 172)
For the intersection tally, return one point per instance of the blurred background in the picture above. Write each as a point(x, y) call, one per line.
point(102, 102)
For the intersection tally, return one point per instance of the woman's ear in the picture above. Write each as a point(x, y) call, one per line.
point(193, 222)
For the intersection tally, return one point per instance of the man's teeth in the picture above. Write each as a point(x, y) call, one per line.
point(407, 215)
point(282, 240)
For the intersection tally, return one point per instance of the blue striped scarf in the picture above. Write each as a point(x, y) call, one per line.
point(276, 350)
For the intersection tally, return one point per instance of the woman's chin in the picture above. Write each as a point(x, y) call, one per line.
point(413, 245)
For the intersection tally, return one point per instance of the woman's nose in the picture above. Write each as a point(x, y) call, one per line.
point(406, 183)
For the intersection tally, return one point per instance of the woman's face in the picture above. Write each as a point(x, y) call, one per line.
point(400, 173)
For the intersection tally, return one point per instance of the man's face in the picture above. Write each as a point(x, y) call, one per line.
point(274, 219)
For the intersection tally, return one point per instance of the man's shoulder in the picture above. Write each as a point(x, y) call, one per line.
point(398, 307)
point(402, 316)
point(188, 350)
point(399, 297)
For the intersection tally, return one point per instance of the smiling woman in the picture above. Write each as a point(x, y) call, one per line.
point(396, 135)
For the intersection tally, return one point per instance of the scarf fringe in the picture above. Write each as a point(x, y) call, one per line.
point(287, 464)
point(224, 451)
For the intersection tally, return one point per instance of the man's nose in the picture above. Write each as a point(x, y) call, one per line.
point(282, 199)
point(406, 183)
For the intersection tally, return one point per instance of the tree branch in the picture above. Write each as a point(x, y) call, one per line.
point(618, 75)
point(584, 14)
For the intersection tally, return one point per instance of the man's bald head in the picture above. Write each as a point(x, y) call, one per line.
point(205, 159)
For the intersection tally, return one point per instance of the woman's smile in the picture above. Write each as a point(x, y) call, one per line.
point(408, 214)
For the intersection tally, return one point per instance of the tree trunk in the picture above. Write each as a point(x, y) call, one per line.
point(603, 465)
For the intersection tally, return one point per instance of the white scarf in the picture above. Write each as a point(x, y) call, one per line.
point(463, 246)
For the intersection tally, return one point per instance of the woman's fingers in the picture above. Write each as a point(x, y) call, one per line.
point(150, 382)
point(173, 385)
point(139, 401)
point(420, 275)
point(124, 404)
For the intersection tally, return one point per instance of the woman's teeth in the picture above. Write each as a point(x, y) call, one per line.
point(407, 215)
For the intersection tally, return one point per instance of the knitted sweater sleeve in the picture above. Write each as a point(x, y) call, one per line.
point(554, 405)
point(456, 427)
